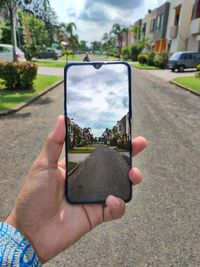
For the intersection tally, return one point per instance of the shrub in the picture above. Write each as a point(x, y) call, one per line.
point(18, 75)
point(68, 52)
point(160, 59)
point(134, 52)
point(126, 53)
point(198, 67)
point(143, 58)
point(151, 58)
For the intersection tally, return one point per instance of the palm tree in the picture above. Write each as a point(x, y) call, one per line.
point(117, 30)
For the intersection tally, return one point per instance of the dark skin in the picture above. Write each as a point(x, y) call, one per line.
point(41, 212)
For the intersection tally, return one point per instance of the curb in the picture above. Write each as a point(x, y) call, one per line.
point(73, 170)
point(184, 87)
point(24, 104)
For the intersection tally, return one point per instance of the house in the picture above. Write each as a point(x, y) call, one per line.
point(194, 39)
point(178, 28)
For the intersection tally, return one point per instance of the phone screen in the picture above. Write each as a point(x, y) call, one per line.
point(98, 131)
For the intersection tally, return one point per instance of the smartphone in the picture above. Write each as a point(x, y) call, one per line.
point(98, 115)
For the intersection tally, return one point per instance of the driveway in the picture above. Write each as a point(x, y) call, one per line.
point(168, 75)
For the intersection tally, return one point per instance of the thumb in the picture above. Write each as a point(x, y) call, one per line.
point(52, 149)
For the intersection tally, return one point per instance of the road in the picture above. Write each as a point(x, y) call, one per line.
point(105, 172)
point(161, 226)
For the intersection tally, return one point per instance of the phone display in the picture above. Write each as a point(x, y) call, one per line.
point(98, 131)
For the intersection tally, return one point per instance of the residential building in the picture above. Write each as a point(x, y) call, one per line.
point(178, 28)
point(159, 28)
point(194, 39)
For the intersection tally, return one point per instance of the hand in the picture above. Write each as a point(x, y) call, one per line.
point(41, 212)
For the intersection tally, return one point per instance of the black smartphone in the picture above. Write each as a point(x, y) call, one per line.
point(98, 131)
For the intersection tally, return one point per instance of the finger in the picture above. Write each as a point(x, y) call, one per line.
point(52, 149)
point(138, 144)
point(135, 176)
point(62, 164)
point(115, 208)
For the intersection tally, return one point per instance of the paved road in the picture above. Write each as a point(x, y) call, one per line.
point(162, 223)
point(104, 172)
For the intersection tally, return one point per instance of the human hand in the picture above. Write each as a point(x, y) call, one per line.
point(42, 213)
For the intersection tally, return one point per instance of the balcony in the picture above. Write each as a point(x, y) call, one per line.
point(173, 31)
point(195, 26)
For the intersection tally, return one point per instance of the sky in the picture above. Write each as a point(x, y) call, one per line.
point(97, 98)
point(95, 17)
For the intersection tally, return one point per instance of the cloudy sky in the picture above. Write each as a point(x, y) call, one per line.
point(95, 17)
point(97, 98)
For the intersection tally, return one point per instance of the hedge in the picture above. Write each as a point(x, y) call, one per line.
point(18, 75)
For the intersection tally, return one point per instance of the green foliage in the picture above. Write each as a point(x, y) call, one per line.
point(18, 75)
point(134, 52)
point(68, 52)
point(6, 34)
point(161, 59)
point(143, 58)
point(126, 53)
point(198, 67)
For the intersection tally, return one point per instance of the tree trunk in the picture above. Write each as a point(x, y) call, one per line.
point(13, 32)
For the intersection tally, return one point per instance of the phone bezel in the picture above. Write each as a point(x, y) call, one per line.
point(67, 66)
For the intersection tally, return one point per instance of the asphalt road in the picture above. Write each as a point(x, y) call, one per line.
point(105, 172)
point(162, 224)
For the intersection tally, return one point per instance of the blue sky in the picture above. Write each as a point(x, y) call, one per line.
point(97, 98)
point(95, 17)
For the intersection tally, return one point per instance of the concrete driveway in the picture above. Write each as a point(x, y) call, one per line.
point(168, 75)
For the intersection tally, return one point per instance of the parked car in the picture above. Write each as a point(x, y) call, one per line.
point(183, 60)
point(6, 53)
point(48, 53)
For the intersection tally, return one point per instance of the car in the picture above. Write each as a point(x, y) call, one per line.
point(183, 60)
point(6, 53)
point(48, 53)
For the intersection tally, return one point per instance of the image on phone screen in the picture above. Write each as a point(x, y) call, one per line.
point(98, 131)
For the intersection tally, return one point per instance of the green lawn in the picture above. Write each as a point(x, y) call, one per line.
point(120, 149)
point(71, 58)
point(9, 99)
point(72, 165)
point(80, 150)
point(41, 63)
point(144, 66)
point(191, 83)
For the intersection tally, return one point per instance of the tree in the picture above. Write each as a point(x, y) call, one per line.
point(41, 9)
point(87, 135)
point(96, 46)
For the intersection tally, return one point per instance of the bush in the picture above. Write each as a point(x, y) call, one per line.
point(68, 52)
point(134, 52)
point(18, 75)
point(198, 67)
point(161, 59)
point(151, 59)
point(126, 53)
point(143, 58)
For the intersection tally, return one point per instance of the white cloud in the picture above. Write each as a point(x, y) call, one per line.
point(94, 18)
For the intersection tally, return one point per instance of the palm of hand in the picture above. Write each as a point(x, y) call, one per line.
point(49, 222)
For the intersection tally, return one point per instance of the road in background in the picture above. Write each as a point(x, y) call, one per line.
point(161, 226)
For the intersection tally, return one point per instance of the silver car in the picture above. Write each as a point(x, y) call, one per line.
point(6, 53)
point(183, 60)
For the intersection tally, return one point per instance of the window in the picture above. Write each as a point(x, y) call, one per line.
point(153, 24)
point(4, 50)
point(177, 15)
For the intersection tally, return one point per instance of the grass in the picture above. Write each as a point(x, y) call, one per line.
point(9, 99)
point(71, 165)
point(71, 58)
point(144, 66)
point(192, 83)
point(41, 63)
point(120, 149)
point(80, 150)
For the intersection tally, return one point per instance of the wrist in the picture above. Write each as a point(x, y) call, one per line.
point(16, 249)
